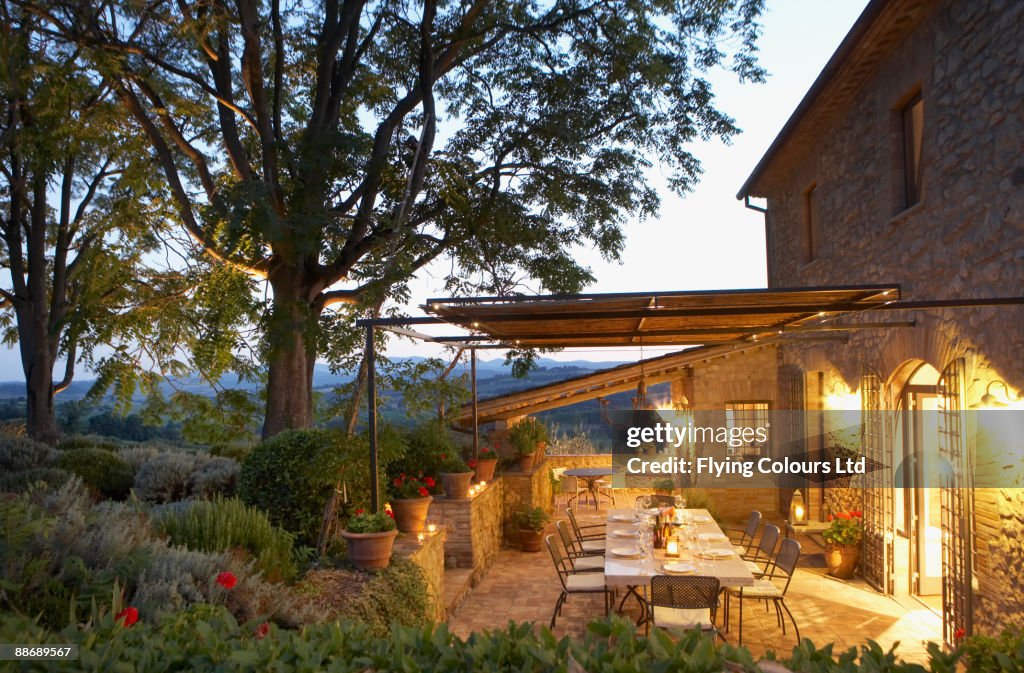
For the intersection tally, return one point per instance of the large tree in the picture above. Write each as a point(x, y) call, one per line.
point(334, 148)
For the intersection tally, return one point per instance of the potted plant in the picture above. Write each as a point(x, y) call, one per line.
point(455, 476)
point(370, 538)
point(527, 437)
point(410, 500)
point(842, 538)
point(484, 464)
point(531, 528)
point(663, 486)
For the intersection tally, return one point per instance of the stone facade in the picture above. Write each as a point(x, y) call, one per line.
point(429, 556)
point(473, 528)
point(964, 239)
point(525, 490)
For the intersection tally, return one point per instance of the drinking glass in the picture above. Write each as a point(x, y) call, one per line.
point(644, 502)
point(643, 545)
point(680, 502)
point(705, 546)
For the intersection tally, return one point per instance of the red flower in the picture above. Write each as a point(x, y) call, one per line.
point(444, 456)
point(360, 511)
point(423, 491)
point(857, 515)
point(843, 515)
point(959, 633)
point(472, 463)
point(398, 481)
point(128, 616)
point(389, 513)
point(829, 517)
point(227, 580)
point(429, 481)
point(261, 631)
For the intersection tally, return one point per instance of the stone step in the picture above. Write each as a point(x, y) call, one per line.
point(457, 585)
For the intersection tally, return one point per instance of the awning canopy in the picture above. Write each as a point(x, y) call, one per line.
point(654, 318)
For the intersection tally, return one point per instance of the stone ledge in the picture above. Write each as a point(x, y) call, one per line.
point(428, 555)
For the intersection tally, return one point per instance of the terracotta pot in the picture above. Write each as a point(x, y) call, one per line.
point(485, 469)
point(456, 484)
point(526, 462)
point(842, 559)
point(530, 540)
point(370, 550)
point(411, 513)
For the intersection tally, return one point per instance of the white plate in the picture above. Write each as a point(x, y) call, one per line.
point(712, 537)
point(715, 553)
point(677, 568)
point(621, 517)
point(700, 519)
point(624, 533)
point(625, 552)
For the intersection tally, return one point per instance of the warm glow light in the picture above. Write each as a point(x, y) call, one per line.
point(483, 485)
point(420, 538)
point(672, 548)
point(431, 528)
point(799, 511)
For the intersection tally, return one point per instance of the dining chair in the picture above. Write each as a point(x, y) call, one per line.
point(604, 487)
point(581, 559)
point(684, 603)
point(748, 534)
point(591, 545)
point(593, 531)
point(772, 587)
point(575, 582)
point(761, 558)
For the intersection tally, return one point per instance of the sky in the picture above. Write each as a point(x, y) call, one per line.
point(707, 239)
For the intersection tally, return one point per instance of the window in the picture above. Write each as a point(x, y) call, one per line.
point(912, 118)
point(811, 224)
point(746, 415)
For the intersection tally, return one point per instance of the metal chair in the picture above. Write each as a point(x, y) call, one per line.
point(581, 559)
point(769, 589)
point(684, 603)
point(764, 553)
point(575, 582)
point(749, 532)
point(592, 545)
point(594, 531)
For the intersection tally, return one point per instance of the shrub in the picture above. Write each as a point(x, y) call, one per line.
point(527, 435)
point(46, 477)
point(986, 654)
point(362, 522)
point(534, 518)
point(234, 451)
point(165, 478)
point(137, 456)
point(220, 525)
point(215, 476)
point(290, 477)
point(90, 442)
point(422, 450)
point(22, 453)
point(103, 471)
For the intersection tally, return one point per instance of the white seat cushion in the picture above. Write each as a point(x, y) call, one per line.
point(593, 545)
point(679, 618)
point(589, 563)
point(585, 582)
point(761, 589)
point(754, 568)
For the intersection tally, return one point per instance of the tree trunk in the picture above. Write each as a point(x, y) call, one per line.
point(292, 356)
point(41, 419)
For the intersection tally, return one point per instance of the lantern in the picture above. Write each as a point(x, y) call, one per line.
point(798, 509)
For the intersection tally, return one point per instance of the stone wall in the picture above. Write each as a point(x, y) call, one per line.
point(964, 239)
point(429, 556)
point(473, 528)
point(525, 490)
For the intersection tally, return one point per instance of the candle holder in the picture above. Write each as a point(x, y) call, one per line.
point(432, 528)
point(672, 547)
point(420, 537)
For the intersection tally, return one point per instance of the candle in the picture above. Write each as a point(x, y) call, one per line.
point(672, 549)
point(483, 485)
point(419, 538)
point(431, 528)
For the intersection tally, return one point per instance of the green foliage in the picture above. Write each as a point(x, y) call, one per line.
point(18, 482)
point(424, 445)
point(526, 435)
point(398, 594)
point(845, 529)
point(214, 475)
point(22, 453)
point(364, 522)
point(291, 475)
point(89, 442)
point(452, 463)
point(224, 524)
point(534, 518)
point(166, 477)
point(105, 472)
point(1002, 654)
point(229, 416)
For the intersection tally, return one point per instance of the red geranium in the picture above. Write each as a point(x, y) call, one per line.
point(857, 515)
point(843, 515)
point(409, 486)
point(389, 513)
point(128, 616)
point(227, 580)
point(261, 631)
point(429, 481)
point(959, 633)
point(472, 463)
point(423, 491)
point(360, 511)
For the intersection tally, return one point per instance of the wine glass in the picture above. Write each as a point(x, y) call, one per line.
point(643, 544)
point(704, 543)
point(680, 501)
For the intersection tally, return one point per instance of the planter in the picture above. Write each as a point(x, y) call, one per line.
point(530, 540)
point(411, 513)
point(842, 559)
point(526, 462)
point(370, 550)
point(456, 484)
point(485, 469)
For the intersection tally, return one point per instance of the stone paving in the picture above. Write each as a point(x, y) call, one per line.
point(524, 587)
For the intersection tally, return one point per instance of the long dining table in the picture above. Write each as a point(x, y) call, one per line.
point(636, 573)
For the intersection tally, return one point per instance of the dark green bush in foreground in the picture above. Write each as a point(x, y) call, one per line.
point(19, 482)
point(105, 472)
point(205, 638)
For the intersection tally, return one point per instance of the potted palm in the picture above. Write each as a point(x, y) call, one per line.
point(410, 500)
point(842, 548)
point(527, 437)
point(484, 464)
point(455, 476)
point(370, 538)
point(531, 528)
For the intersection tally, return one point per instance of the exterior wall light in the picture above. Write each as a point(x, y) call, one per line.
point(990, 401)
point(798, 509)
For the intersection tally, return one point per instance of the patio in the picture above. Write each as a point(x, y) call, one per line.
point(524, 587)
